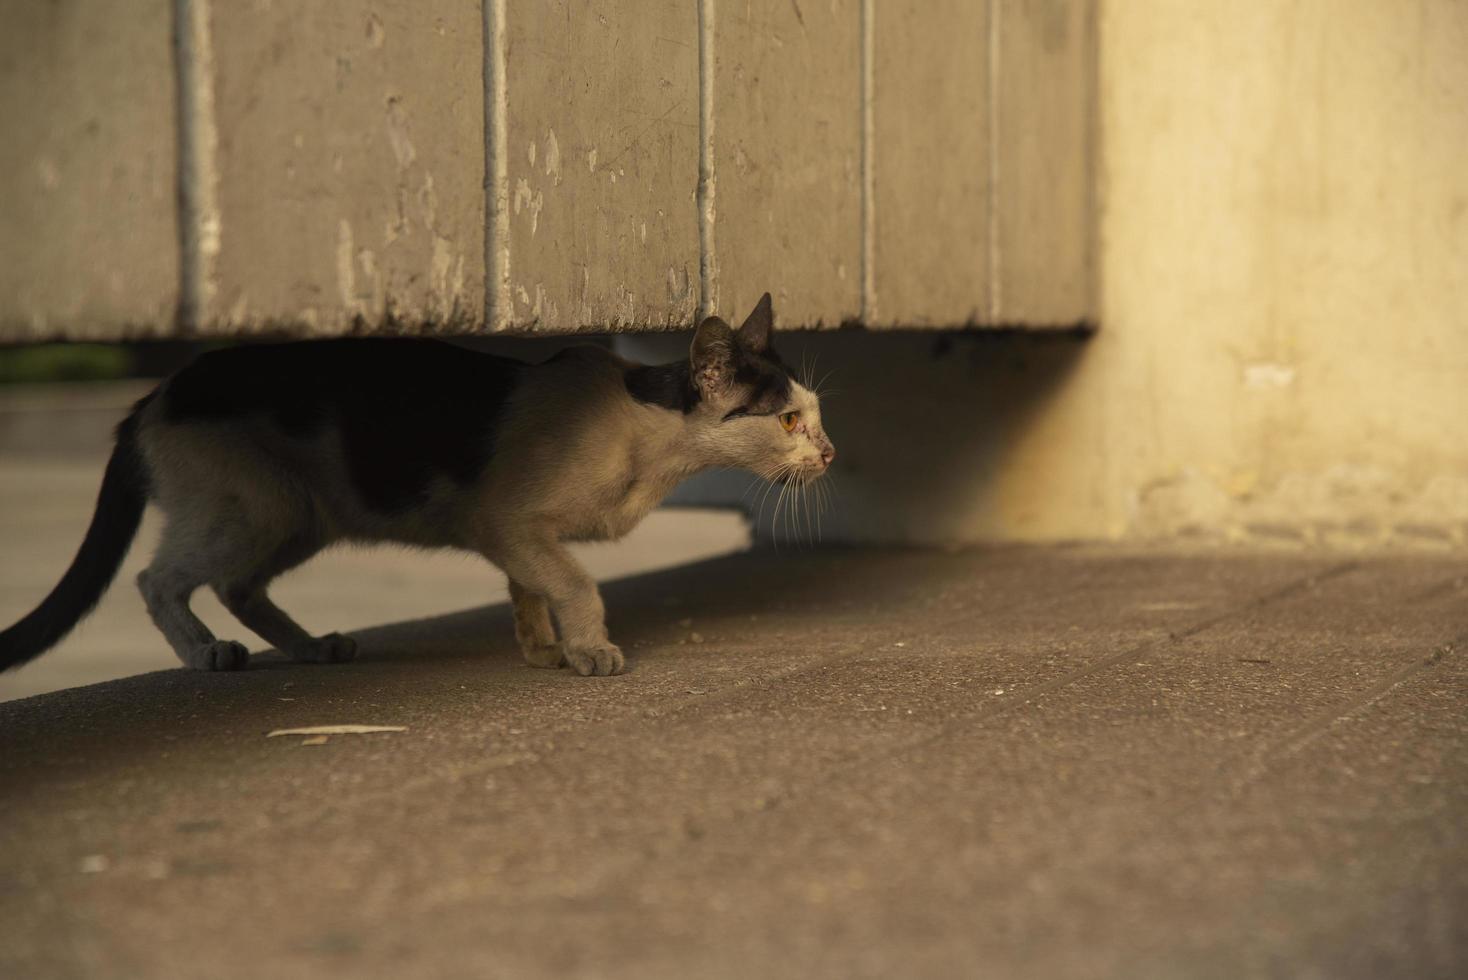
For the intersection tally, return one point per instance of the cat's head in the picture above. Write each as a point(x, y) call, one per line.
point(751, 411)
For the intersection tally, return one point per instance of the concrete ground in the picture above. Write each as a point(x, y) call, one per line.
point(1068, 762)
point(1003, 763)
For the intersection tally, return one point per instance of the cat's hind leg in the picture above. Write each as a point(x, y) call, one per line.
point(167, 584)
point(243, 592)
point(238, 557)
point(238, 515)
point(252, 606)
point(533, 628)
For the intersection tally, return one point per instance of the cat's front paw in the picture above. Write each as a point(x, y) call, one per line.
point(599, 661)
point(548, 656)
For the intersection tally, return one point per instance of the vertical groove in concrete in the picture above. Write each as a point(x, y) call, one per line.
point(995, 296)
point(497, 310)
point(868, 174)
point(1093, 165)
point(708, 277)
point(198, 175)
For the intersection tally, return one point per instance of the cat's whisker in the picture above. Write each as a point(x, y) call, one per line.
point(812, 512)
point(780, 478)
point(770, 484)
point(792, 513)
point(775, 516)
point(813, 508)
point(832, 488)
point(825, 495)
point(783, 505)
point(758, 506)
point(797, 512)
point(821, 501)
point(795, 492)
point(806, 497)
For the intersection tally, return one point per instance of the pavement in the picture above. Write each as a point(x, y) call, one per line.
point(1050, 762)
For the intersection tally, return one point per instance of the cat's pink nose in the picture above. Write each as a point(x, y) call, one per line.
point(828, 455)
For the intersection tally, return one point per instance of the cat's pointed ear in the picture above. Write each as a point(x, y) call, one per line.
point(711, 358)
point(754, 334)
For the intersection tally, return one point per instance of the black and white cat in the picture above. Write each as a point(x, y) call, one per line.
point(260, 456)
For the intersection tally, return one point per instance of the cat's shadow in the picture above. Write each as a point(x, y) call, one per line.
point(405, 668)
point(483, 633)
point(657, 607)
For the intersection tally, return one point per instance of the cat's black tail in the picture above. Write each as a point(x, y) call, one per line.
point(120, 505)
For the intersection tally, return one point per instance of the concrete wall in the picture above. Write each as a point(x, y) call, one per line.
point(569, 166)
point(1285, 284)
point(88, 224)
point(347, 166)
point(1283, 357)
point(601, 152)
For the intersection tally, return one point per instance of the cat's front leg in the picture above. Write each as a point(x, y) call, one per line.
point(541, 565)
point(533, 628)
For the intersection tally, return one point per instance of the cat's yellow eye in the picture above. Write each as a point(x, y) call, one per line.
point(788, 420)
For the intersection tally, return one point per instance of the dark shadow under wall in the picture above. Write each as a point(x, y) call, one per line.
point(924, 426)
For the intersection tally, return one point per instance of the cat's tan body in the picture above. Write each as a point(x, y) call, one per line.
point(575, 458)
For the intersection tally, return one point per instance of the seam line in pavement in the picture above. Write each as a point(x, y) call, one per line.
point(1441, 589)
point(1316, 726)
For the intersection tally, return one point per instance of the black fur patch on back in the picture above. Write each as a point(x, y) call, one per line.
point(664, 385)
point(407, 410)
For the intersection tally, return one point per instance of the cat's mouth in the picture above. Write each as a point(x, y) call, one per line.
point(799, 476)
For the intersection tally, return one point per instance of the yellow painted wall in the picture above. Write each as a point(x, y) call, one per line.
point(1280, 258)
point(1284, 283)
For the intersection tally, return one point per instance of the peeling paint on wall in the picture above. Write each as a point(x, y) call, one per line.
point(1268, 376)
point(441, 269)
point(346, 277)
point(397, 133)
point(529, 201)
point(552, 157)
